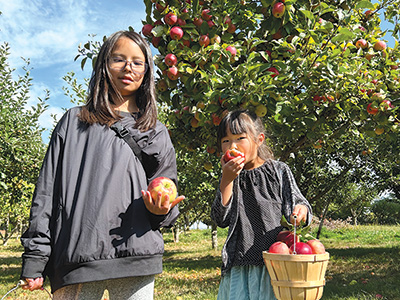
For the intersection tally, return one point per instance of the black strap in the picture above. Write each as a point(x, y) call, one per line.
point(123, 133)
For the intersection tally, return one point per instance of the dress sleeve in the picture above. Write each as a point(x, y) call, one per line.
point(221, 214)
point(37, 239)
point(292, 195)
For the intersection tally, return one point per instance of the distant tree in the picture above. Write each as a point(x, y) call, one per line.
point(21, 146)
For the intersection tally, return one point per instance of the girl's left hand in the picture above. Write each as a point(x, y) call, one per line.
point(301, 211)
point(156, 207)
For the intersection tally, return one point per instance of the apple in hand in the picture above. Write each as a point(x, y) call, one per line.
point(231, 154)
point(279, 247)
point(164, 185)
point(316, 246)
point(301, 248)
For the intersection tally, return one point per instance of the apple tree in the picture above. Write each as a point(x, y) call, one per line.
point(320, 75)
point(21, 147)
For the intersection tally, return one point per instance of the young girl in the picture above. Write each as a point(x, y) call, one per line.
point(93, 226)
point(254, 193)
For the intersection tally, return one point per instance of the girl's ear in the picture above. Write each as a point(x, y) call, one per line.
point(260, 139)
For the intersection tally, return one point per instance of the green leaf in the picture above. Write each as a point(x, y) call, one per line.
point(344, 35)
point(364, 4)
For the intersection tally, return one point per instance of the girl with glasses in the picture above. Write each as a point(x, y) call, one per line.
point(93, 225)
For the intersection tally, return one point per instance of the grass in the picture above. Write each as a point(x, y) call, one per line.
point(364, 265)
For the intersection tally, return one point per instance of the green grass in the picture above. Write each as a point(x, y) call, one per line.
point(364, 265)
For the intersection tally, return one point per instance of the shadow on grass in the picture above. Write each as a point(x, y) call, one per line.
point(365, 273)
point(197, 264)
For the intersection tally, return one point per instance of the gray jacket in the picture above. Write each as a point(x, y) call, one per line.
point(88, 220)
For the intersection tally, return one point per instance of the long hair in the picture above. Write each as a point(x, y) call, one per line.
point(244, 121)
point(102, 93)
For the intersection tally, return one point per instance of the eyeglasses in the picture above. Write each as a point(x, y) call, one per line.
point(137, 66)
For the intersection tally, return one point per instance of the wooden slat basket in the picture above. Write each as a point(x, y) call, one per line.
point(297, 277)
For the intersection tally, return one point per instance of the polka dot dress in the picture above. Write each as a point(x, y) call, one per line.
point(260, 197)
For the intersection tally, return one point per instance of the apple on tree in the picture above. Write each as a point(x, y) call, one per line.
point(165, 186)
point(170, 60)
point(278, 10)
point(176, 33)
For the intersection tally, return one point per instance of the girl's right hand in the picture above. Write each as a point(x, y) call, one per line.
point(232, 168)
point(33, 284)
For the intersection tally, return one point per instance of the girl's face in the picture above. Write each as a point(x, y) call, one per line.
point(245, 144)
point(126, 80)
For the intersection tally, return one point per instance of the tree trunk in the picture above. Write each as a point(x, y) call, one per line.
point(214, 236)
point(176, 232)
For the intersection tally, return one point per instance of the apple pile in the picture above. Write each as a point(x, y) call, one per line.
point(165, 186)
point(289, 243)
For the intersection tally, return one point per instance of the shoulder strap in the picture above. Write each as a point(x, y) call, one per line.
point(123, 133)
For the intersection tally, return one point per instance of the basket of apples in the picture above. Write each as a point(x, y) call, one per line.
point(296, 263)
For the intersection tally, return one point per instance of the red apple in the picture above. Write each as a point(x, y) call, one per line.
point(173, 73)
point(380, 45)
point(170, 19)
point(210, 23)
point(146, 30)
point(170, 59)
point(232, 50)
point(204, 40)
point(287, 237)
point(162, 185)
point(274, 71)
point(156, 41)
point(278, 10)
point(181, 22)
point(361, 43)
point(316, 246)
point(205, 15)
point(279, 247)
point(386, 104)
point(227, 20)
point(176, 33)
point(371, 109)
point(231, 28)
point(198, 21)
point(301, 248)
point(160, 7)
point(231, 154)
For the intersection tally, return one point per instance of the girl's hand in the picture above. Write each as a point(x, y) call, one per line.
point(232, 168)
point(301, 211)
point(156, 207)
point(33, 284)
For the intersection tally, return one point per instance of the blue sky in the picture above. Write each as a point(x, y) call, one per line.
point(48, 33)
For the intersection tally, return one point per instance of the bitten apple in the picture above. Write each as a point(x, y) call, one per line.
point(279, 247)
point(164, 185)
point(316, 246)
point(231, 154)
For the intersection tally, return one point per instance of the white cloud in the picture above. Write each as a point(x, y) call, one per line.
point(48, 33)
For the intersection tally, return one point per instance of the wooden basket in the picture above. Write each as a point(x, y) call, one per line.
point(297, 277)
